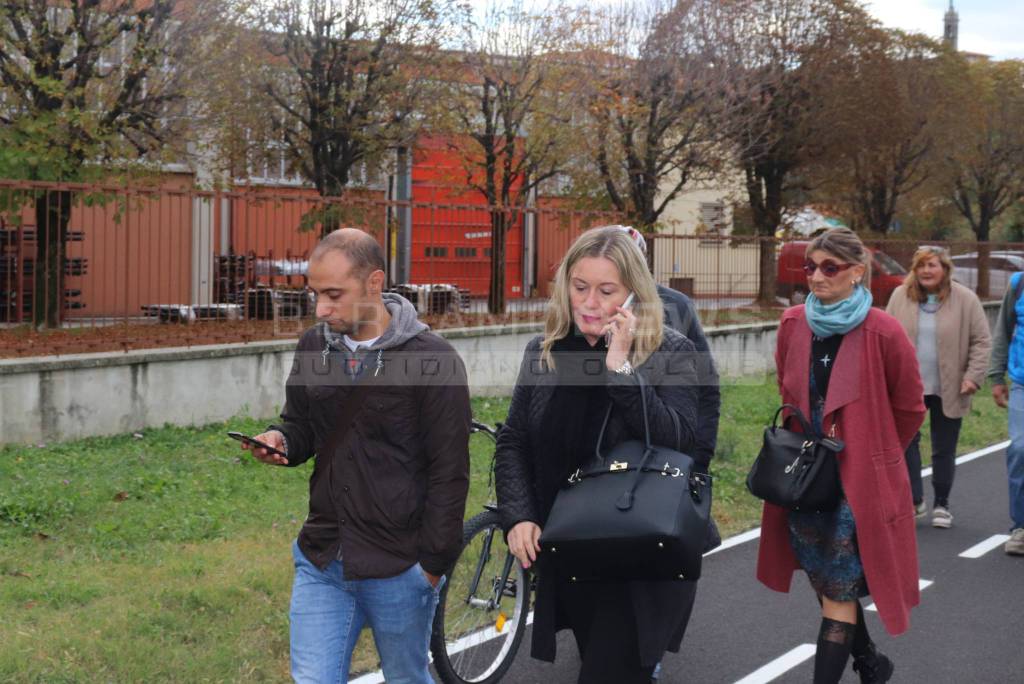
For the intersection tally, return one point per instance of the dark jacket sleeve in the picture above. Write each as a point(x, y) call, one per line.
point(1001, 338)
point(444, 426)
point(681, 315)
point(513, 468)
point(295, 424)
point(670, 391)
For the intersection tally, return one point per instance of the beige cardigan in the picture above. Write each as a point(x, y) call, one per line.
point(964, 342)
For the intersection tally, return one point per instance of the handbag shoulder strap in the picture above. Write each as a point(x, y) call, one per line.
point(350, 409)
point(647, 425)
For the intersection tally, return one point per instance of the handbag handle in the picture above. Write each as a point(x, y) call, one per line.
point(798, 414)
point(625, 501)
point(608, 414)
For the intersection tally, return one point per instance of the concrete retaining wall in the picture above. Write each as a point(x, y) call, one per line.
point(49, 399)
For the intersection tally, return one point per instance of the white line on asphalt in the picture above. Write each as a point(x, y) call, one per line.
point(981, 548)
point(922, 584)
point(736, 540)
point(780, 665)
point(925, 472)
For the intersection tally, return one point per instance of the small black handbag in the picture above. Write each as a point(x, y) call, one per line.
point(641, 513)
point(796, 471)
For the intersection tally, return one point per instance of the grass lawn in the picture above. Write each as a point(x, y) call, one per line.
point(164, 555)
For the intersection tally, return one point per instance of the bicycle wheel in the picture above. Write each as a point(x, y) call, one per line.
point(481, 615)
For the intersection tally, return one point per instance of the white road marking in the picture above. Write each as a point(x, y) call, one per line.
point(736, 540)
point(981, 548)
point(922, 584)
point(966, 458)
point(780, 665)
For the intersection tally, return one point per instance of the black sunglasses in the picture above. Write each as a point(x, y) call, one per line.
point(829, 268)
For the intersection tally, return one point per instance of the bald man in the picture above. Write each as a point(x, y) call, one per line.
point(381, 405)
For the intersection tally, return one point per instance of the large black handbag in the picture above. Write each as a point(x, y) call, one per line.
point(639, 513)
point(797, 471)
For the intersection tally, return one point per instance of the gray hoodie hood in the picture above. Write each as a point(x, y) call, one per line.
point(403, 327)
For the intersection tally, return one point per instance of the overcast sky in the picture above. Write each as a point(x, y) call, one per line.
point(991, 27)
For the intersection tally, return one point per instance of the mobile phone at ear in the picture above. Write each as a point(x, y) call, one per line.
point(251, 441)
point(628, 304)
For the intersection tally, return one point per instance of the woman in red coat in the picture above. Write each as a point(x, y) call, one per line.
point(852, 369)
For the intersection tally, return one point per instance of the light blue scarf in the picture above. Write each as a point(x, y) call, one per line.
point(840, 318)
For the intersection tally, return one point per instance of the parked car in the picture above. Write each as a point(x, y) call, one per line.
point(1001, 265)
point(886, 274)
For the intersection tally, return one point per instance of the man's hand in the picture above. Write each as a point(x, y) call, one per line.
point(968, 387)
point(1002, 395)
point(524, 542)
point(271, 438)
point(433, 579)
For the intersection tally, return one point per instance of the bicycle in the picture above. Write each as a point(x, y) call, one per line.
point(482, 610)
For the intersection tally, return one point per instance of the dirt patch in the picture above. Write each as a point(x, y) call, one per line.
point(24, 341)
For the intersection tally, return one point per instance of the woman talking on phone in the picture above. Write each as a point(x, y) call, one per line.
point(589, 358)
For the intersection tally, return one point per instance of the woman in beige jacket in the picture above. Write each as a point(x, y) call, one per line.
point(947, 325)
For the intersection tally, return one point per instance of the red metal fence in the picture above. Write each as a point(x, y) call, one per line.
point(170, 253)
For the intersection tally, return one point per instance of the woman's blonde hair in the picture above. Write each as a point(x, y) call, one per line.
point(845, 245)
point(914, 290)
point(612, 243)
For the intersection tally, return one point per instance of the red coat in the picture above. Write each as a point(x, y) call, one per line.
point(875, 400)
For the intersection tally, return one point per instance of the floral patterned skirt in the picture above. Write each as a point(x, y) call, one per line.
point(825, 545)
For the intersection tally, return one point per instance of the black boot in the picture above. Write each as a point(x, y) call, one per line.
point(873, 666)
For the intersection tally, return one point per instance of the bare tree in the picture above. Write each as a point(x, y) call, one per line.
point(508, 116)
point(884, 105)
point(985, 150)
point(650, 93)
point(349, 81)
point(778, 54)
point(86, 88)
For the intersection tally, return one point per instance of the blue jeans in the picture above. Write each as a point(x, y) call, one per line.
point(1015, 455)
point(327, 613)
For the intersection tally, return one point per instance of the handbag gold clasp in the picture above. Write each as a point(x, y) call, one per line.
point(618, 465)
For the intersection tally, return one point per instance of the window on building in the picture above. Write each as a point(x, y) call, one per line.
point(437, 252)
point(712, 216)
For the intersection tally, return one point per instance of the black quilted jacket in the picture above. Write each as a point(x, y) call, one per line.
point(662, 608)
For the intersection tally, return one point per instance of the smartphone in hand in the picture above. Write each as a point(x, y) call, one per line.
point(628, 304)
point(246, 439)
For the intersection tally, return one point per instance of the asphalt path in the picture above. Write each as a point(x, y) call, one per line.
point(968, 627)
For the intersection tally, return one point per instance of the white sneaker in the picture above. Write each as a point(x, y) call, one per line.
point(1015, 544)
point(941, 517)
point(921, 510)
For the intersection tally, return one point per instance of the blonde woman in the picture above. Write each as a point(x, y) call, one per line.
point(588, 359)
point(947, 325)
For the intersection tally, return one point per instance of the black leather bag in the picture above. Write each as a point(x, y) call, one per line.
point(796, 471)
point(639, 513)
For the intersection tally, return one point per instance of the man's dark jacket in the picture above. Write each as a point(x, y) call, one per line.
point(681, 315)
point(394, 491)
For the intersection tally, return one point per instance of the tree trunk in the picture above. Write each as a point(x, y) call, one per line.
point(768, 282)
point(53, 212)
point(496, 290)
point(764, 188)
point(984, 248)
